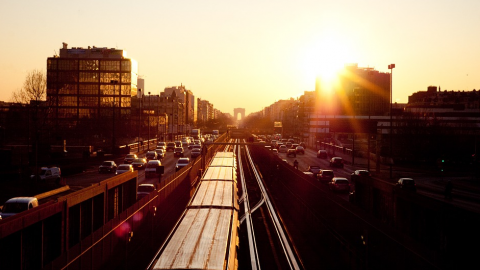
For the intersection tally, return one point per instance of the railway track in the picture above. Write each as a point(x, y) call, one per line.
point(269, 245)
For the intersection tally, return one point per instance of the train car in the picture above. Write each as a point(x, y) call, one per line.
point(206, 237)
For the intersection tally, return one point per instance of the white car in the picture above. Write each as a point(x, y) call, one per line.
point(18, 204)
point(52, 173)
point(122, 168)
point(151, 168)
point(282, 149)
point(181, 162)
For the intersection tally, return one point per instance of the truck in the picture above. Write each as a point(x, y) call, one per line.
point(196, 134)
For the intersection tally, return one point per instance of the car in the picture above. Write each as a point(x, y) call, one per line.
point(151, 155)
point(282, 148)
point(300, 150)
point(339, 184)
point(49, 173)
point(145, 189)
point(336, 162)
point(151, 168)
point(289, 145)
point(18, 204)
point(294, 145)
point(122, 168)
point(195, 152)
point(170, 146)
point(313, 169)
point(196, 146)
point(108, 166)
point(162, 145)
point(291, 152)
point(178, 152)
point(139, 164)
point(322, 154)
point(185, 141)
point(325, 175)
point(275, 151)
point(129, 158)
point(407, 183)
point(181, 162)
point(178, 144)
point(160, 153)
point(359, 174)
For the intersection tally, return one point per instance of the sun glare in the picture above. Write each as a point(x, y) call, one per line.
point(323, 59)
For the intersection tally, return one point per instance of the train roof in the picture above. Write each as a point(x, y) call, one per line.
point(200, 241)
point(215, 194)
point(223, 162)
point(224, 155)
point(220, 173)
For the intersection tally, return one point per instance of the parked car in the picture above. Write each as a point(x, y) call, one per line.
point(16, 205)
point(139, 164)
point(151, 155)
point(178, 152)
point(129, 158)
point(124, 168)
point(195, 152)
point(151, 168)
point(144, 190)
point(181, 162)
point(108, 166)
point(170, 146)
point(325, 175)
point(359, 174)
point(282, 148)
point(322, 154)
point(336, 162)
point(407, 183)
point(300, 150)
point(291, 152)
point(49, 173)
point(339, 184)
point(314, 169)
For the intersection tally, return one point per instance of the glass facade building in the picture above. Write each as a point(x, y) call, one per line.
point(86, 86)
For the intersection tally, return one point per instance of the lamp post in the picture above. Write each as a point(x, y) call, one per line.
point(391, 67)
point(140, 118)
point(149, 107)
point(113, 82)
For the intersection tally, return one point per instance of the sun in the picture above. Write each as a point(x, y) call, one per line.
point(324, 58)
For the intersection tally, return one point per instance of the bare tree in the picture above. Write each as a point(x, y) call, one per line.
point(34, 88)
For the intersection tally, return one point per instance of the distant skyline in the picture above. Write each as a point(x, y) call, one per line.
point(250, 54)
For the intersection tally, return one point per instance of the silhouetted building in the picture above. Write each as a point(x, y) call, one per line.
point(85, 86)
point(359, 91)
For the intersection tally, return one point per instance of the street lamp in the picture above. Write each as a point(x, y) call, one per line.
point(149, 103)
point(391, 67)
point(113, 82)
point(140, 118)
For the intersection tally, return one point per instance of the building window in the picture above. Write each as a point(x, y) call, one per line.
point(67, 101)
point(109, 65)
point(126, 77)
point(88, 102)
point(89, 65)
point(126, 65)
point(88, 89)
point(67, 64)
point(89, 77)
point(108, 77)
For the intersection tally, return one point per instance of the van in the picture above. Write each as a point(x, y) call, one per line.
point(18, 204)
point(46, 174)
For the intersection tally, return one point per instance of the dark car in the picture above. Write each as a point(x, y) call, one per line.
point(359, 174)
point(170, 146)
point(322, 154)
point(195, 152)
point(129, 158)
point(336, 162)
point(325, 175)
point(182, 162)
point(291, 152)
point(314, 169)
point(144, 190)
point(339, 184)
point(300, 150)
point(107, 166)
point(178, 152)
point(407, 183)
point(139, 163)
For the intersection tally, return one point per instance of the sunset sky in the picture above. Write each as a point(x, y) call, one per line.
point(249, 54)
